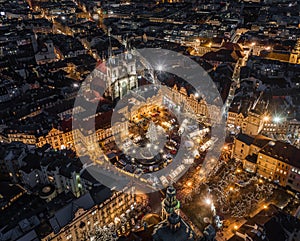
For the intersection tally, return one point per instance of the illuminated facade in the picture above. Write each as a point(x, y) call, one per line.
point(278, 162)
point(251, 124)
point(85, 218)
point(295, 55)
point(119, 74)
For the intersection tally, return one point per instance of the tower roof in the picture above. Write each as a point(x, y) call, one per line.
point(174, 218)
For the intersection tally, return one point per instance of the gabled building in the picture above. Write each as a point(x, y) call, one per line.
point(246, 145)
point(280, 162)
point(274, 160)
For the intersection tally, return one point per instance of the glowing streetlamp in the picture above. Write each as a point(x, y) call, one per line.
point(276, 119)
point(208, 201)
point(266, 118)
point(160, 67)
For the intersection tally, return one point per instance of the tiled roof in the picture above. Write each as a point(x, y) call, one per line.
point(252, 158)
point(65, 215)
point(245, 139)
point(283, 152)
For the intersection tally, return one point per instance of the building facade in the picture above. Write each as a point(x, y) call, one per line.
point(88, 216)
point(278, 162)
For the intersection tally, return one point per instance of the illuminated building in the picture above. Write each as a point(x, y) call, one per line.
point(63, 217)
point(251, 123)
point(274, 160)
point(278, 163)
point(78, 220)
point(295, 55)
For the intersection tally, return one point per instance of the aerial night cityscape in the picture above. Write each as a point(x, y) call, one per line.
point(149, 120)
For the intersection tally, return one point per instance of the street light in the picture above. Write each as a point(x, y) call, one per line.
point(270, 143)
point(208, 201)
point(277, 119)
point(160, 67)
point(266, 118)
